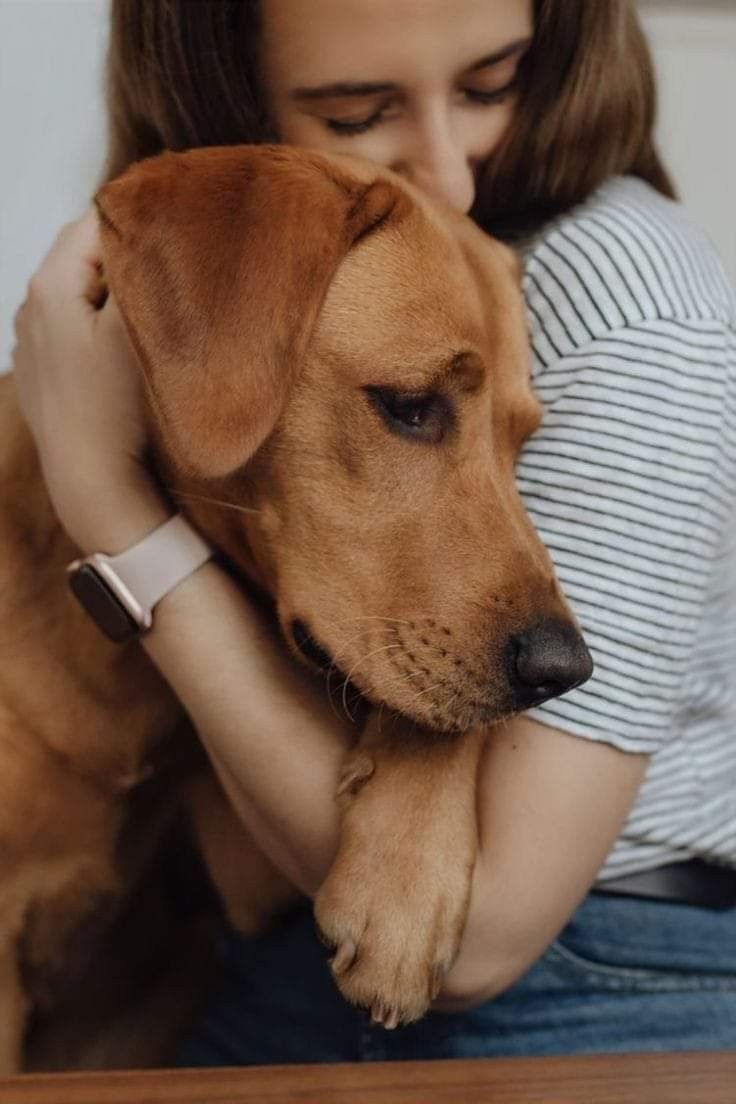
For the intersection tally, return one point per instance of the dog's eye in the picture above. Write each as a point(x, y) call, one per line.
point(425, 417)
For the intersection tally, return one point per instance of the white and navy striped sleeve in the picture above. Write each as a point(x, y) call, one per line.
point(631, 478)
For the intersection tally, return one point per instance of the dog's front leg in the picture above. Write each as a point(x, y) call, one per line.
point(395, 900)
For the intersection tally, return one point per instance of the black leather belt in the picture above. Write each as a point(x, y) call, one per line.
point(691, 883)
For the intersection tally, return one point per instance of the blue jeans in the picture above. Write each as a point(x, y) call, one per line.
point(624, 975)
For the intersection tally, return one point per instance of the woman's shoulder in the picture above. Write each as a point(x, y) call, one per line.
point(626, 256)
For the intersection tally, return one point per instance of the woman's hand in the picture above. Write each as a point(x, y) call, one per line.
point(78, 384)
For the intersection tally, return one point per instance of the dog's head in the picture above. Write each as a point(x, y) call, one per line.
point(347, 365)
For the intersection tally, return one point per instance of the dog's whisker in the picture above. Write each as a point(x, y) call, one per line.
point(399, 680)
point(407, 678)
point(338, 655)
point(332, 670)
point(345, 710)
point(427, 690)
point(456, 696)
point(412, 623)
point(374, 617)
point(336, 659)
point(431, 648)
point(396, 684)
point(377, 651)
point(330, 699)
point(212, 501)
point(354, 668)
point(345, 685)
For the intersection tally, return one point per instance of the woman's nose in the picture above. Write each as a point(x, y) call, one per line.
point(442, 168)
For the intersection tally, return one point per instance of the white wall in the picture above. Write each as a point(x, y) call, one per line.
point(52, 130)
point(695, 54)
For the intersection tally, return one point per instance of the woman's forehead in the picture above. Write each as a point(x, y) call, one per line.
point(334, 41)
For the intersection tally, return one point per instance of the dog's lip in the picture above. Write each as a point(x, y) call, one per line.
point(309, 647)
point(320, 660)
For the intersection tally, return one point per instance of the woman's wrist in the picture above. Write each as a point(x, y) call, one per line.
point(112, 511)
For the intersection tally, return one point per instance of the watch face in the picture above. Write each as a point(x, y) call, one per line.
point(108, 613)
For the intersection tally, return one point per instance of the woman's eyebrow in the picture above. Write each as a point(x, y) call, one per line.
point(342, 88)
point(373, 88)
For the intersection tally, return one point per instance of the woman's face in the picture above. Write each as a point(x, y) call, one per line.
point(424, 87)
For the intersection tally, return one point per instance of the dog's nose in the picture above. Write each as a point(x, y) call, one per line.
point(545, 661)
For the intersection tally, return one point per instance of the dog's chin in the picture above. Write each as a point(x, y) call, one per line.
point(460, 719)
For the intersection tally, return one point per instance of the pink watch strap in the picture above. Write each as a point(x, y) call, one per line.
point(154, 566)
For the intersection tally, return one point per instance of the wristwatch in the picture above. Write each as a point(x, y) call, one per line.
point(120, 592)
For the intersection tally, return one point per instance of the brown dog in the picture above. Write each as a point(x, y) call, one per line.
point(328, 350)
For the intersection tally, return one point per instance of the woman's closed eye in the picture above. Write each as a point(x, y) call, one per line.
point(360, 125)
point(387, 111)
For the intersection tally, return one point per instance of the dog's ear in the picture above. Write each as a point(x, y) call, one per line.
point(219, 260)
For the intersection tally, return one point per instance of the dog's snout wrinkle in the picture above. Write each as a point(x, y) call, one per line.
point(546, 660)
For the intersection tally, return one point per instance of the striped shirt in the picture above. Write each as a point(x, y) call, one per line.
point(631, 482)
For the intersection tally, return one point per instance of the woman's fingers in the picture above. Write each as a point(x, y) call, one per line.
point(78, 383)
point(72, 268)
point(72, 357)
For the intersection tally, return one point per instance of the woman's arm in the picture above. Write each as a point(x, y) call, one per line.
point(550, 808)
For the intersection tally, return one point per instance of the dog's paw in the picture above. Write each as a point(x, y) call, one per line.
point(395, 914)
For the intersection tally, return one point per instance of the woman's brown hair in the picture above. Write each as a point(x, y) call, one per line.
point(183, 73)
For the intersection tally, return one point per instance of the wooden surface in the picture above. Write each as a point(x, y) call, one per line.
point(620, 1079)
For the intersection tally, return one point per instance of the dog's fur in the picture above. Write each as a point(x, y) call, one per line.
point(275, 299)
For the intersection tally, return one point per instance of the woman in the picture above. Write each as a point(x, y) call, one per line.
point(537, 119)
